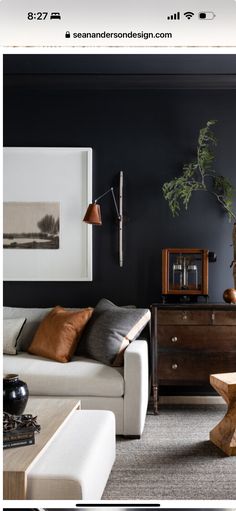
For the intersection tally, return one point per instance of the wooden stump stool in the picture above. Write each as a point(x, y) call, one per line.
point(224, 434)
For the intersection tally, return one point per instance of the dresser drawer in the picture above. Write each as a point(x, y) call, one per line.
point(184, 368)
point(184, 317)
point(209, 338)
point(224, 318)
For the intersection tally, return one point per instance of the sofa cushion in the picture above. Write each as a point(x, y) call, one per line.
point(58, 334)
point(81, 377)
point(110, 331)
point(33, 319)
point(11, 331)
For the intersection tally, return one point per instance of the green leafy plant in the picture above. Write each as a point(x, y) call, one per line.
point(199, 175)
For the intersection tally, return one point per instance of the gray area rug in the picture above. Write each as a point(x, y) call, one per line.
point(174, 459)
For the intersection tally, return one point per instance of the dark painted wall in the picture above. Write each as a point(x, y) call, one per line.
point(148, 135)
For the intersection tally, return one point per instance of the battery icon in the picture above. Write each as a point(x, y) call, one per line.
point(206, 15)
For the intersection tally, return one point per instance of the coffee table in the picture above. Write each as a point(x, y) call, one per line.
point(224, 434)
point(52, 413)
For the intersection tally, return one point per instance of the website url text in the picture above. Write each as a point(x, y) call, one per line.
point(123, 35)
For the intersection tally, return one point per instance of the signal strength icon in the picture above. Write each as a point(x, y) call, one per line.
point(189, 15)
point(175, 16)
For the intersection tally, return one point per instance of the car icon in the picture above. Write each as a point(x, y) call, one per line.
point(55, 16)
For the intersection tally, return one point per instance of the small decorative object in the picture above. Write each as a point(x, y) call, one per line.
point(18, 430)
point(15, 394)
point(230, 295)
point(185, 272)
point(200, 176)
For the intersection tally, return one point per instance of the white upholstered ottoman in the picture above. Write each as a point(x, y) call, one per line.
point(78, 462)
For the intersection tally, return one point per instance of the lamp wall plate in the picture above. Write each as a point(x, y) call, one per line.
point(121, 219)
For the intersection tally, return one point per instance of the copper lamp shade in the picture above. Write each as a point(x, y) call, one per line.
point(93, 214)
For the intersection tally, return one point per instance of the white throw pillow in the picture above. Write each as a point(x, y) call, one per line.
point(11, 331)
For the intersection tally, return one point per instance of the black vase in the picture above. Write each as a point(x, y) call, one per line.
point(15, 394)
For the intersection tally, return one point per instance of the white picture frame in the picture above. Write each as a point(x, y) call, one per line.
point(51, 174)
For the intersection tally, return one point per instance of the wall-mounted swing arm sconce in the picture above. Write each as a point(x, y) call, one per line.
point(93, 214)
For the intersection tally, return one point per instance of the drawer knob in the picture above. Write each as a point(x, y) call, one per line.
point(185, 316)
point(174, 366)
point(174, 339)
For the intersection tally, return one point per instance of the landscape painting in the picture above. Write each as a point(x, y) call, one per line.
point(31, 225)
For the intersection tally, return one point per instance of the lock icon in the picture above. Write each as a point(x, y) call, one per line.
point(67, 34)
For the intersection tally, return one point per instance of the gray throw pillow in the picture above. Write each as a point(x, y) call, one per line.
point(11, 331)
point(110, 330)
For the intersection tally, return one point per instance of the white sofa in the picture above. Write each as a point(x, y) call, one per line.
point(123, 390)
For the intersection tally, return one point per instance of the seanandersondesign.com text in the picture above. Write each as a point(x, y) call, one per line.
point(123, 35)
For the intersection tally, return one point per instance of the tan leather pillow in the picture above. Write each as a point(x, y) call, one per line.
point(58, 333)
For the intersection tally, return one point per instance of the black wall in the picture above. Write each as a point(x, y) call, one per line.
point(148, 134)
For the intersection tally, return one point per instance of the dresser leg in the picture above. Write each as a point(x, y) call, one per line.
point(155, 399)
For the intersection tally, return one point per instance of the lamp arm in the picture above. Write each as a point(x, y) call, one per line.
point(103, 195)
point(115, 204)
point(114, 200)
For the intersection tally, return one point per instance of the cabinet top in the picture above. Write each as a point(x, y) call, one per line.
point(195, 306)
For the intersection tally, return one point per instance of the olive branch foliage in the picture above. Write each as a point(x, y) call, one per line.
point(199, 175)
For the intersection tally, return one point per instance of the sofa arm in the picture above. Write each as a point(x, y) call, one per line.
point(136, 387)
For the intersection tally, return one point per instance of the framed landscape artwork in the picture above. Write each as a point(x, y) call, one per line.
point(46, 192)
point(31, 225)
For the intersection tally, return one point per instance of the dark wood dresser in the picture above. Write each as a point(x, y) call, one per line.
point(189, 342)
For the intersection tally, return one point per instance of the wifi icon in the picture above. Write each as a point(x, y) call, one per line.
point(189, 15)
